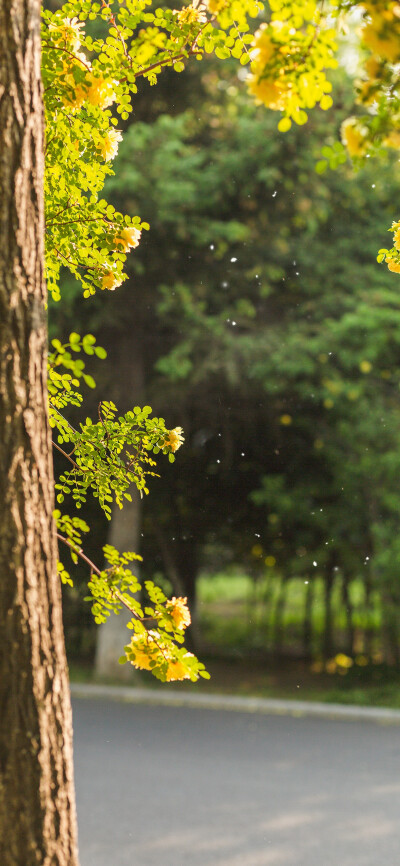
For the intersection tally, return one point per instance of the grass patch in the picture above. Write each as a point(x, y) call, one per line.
point(238, 614)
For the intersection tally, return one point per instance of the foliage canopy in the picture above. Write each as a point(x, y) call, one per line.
point(93, 55)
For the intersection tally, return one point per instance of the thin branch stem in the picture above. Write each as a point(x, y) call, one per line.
point(79, 552)
point(84, 220)
point(67, 456)
point(76, 264)
point(115, 25)
point(66, 51)
point(93, 568)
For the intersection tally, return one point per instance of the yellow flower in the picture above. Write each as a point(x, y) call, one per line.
point(215, 6)
point(264, 86)
point(110, 281)
point(68, 33)
point(373, 68)
point(386, 46)
point(393, 265)
point(353, 137)
point(100, 92)
point(264, 47)
point(396, 239)
point(76, 96)
point(179, 611)
point(367, 92)
point(141, 659)
point(286, 420)
point(109, 145)
point(365, 366)
point(174, 439)
point(189, 15)
point(128, 238)
point(177, 670)
point(144, 650)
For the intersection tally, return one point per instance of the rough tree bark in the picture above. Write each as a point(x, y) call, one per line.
point(37, 807)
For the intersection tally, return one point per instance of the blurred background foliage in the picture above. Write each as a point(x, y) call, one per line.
point(256, 317)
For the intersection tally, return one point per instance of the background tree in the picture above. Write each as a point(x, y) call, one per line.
point(272, 367)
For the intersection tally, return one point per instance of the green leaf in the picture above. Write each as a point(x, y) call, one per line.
point(89, 381)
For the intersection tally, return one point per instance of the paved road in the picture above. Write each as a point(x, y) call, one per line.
point(166, 786)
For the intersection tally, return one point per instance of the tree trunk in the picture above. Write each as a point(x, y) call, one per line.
point(127, 390)
point(113, 635)
point(37, 807)
point(368, 630)
point(307, 620)
point(390, 619)
point(327, 640)
point(278, 630)
point(349, 643)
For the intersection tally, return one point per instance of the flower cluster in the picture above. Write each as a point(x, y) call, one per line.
point(381, 33)
point(354, 136)
point(190, 15)
point(128, 238)
point(110, 281)
point(99, 91)
point(289, 60)
point(109, 144)
point(79, 93)
point(67, 34)
point(380, 36)
point(149, 652)
point(179, 611)
point(392, 257)
point(174, 439)
point(233, 12)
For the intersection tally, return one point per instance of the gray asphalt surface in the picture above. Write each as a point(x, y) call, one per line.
point(167, 786)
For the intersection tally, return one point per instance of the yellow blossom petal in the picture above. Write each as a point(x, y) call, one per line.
point(109, 145)
point(128, 238)
point(179, 611)
point(110, 281)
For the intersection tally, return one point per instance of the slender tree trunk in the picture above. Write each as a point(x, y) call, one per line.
point(368, 630)
point(127, 388)
point(390, 626)
point(267, 605)
point(278, 630)
point(307, 620)
point(187, 559)
point(349, 616)
point(37, 808)
point(169, 563)
point(327, 640)
point(113, 635)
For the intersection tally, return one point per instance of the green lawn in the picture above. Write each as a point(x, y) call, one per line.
point(236, 619)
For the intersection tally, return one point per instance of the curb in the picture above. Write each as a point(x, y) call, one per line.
point(264, 706)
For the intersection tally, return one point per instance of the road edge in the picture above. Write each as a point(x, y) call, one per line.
point(264, 706)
